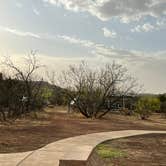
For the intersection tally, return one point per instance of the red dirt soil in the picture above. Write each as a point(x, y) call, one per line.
point(55, 124)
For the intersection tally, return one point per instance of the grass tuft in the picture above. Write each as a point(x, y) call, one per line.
point(105, 151)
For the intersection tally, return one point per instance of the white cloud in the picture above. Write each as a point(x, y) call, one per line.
point(108, 33)
point(161, 23)
point(73, 40)
point(125, 10)
point(147, 27)
point(101, 50)
point(96, 48)
point(35, 11)
point(19, 33)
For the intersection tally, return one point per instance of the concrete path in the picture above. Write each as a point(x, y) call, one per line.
point(75, 148)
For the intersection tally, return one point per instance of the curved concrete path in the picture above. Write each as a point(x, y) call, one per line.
point(75, 148)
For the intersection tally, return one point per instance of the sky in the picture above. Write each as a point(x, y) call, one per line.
point(130, 32)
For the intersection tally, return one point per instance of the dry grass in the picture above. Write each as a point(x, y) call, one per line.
point(54, 124)
point(140, 150)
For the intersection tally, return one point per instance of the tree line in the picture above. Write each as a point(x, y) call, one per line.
point(93, 91)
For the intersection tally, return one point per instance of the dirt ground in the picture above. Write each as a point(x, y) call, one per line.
point(144, 150)
point(54, 124)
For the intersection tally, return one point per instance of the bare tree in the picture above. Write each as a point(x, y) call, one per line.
point(92, 88)
point(26, 86)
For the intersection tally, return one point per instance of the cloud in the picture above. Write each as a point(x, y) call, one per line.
point(36, 12)
point(108, 33)
point(125, 10)
point(147, 27)
point(74, 40)
point(19, 33)
point(161, 23)
point(129, 56)
point(97, 49)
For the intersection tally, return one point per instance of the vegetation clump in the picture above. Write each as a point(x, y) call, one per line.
point(146, 105)
point(105, 151)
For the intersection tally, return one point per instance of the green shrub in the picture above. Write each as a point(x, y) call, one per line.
point(146, 105)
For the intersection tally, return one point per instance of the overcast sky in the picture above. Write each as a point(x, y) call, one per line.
point(131, 32)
